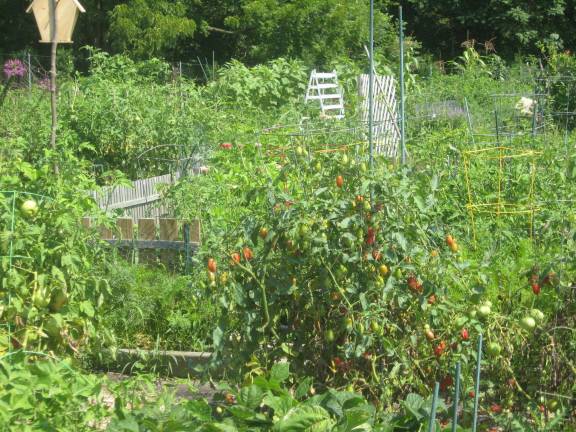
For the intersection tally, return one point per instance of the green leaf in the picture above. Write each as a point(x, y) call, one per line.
point(87, 308)
point(414, 404)
point(280, 372)
point(251, 396)
point(305, 418)
point(303, 387)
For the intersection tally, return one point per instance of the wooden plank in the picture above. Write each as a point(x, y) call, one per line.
point(169, 229)
point(153, 244)
point(195, 231)
point(125, 228)
point(86, 223)
point(133, 202)
point(105, 233)
point(146, 229)
point(147, 232)
point(125, 231)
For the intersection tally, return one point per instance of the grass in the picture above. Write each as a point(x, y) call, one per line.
point(151, 308)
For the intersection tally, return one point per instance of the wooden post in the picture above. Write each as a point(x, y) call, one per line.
point(53, 88)
point(169, 231)
point(147, 231)
point(126, 231)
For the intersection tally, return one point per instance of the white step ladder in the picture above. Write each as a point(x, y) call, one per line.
point(324, 87)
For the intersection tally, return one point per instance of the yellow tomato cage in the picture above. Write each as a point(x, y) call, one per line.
point(500, 207)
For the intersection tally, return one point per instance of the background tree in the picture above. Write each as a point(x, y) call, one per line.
point(151, 28)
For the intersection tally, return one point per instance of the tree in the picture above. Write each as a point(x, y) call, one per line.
point(511, 25)
point(149, 28)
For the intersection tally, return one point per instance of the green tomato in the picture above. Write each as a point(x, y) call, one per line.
point(494, 349)
point(330, 337)
point(29, 208)
point(41, 298)
point(484, 311)
point(552, 405)
point(537, 314)
point(528, 323)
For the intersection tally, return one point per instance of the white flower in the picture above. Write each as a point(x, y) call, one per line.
point(525, 106)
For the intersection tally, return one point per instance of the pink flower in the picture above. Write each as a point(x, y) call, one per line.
point(44, 83)
point(14, 68)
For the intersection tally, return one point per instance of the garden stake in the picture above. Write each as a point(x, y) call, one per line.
point(456, 396)
point(371, 90)
point(432, 421)
point(53, 88)
point(477, 384)
point(402, 115)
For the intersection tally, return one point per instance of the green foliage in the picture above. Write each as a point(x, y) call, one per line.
point(149, 308)
point(150, 28)
point(281, 82)
point(511, 26)
point(50, 296)
point(48, 395)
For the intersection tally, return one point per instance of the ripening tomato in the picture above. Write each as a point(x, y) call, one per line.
point(339, 181)
point(247, 252)
point(263, 233)
point(376, 255)
point(212, 265)
point(465, 335)
point(235, 258)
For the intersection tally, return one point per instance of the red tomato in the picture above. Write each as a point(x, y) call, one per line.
point(446, 382)
point(339, 181)
point(247, 252)
point(211, 265)
point(464, 334)
point(235, 258)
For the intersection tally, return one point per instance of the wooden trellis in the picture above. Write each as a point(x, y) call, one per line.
point(386, 131)
point(151, 240)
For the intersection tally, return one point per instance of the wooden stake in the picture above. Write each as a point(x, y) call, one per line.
point(53, 88)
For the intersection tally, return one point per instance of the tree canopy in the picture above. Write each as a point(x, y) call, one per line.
point(315, 31)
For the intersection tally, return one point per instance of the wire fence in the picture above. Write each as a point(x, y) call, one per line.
point(38, 68)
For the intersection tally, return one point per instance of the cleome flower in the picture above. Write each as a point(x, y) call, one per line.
point(14, 68)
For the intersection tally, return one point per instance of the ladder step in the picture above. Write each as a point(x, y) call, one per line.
point(331, 107)
point(325, 96)
point(325, 75)
point(324, 86)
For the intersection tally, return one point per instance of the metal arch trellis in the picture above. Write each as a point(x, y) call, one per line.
point(13, 197)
